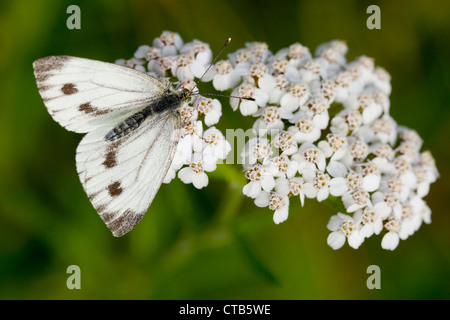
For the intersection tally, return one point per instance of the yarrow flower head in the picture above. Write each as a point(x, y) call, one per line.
point(322, 127)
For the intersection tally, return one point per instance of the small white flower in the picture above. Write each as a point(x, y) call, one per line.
point(344, 227)
point(248, 107)
point(317, 109)
point(188, 114)
point(358, 149)
point(226, 76)
point(344, 86)
point(296, 54)
point(337, 47)
point(260, 178)
point(184, 152)
point(312, 70)
point(335, 147)
point(426, 160)
point(386, 204)
point(285, 142)
point(200, 50)
point(424, 177)
point(380, 130)
point(383, 157)
point(169, 43)
point(270, 121)
point(356, 200)
point(383, 80)
point(211, 108)
point(371, 176)
point(344, 181)
point(421, 209)
point(259, 51)
point(191, 134)
point(309, 154)
point(195, 172)
point(187, 67)
point(391, 239)
point(384, 130)
point(259, 76)
point(163, 66)
point(370, 109)
point(214, 145)
point(280, 88)
point(277, 202)
point(286, 167)
point(391, 184)
point(148, 53)
point(241, 60)
point(256, 150)
point(318, 186)
point(292, 186)
point(296, 97)
point(371, 222)
point(404, 172)
point(132, 63)
point(305, 129)
point(410, 222)
point(346, 122)
point(328, 90)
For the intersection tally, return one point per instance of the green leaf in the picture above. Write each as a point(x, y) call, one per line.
point(254, 260)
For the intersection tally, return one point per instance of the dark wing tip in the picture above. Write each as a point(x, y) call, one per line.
point(47, 64)
point(125, 223)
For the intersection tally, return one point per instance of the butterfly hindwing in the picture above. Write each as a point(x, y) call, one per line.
point(121, 177)
point(83, 94)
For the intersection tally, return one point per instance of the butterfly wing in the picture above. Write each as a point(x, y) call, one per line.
point(121, 178)
point(83, 94)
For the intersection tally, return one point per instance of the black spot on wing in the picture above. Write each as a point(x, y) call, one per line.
point(115, 189)
point(86, 108)
point(69, 88)
point(89, 109)
point(110, 159)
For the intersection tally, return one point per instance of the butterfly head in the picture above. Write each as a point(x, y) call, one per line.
point(186, 94)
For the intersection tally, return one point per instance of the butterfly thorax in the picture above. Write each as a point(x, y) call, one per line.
point(170, 101)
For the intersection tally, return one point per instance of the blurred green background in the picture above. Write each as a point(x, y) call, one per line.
point(211, 243)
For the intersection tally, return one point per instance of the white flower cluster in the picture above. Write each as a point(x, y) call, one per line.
point(323, 128)
point(172, 61)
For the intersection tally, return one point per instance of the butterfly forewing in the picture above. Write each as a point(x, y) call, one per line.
point(83, 94)
point(121, 177)
point(132, 124)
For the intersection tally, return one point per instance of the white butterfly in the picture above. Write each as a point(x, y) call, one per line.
point(132, 124)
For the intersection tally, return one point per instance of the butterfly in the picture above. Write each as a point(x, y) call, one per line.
point(132, 125)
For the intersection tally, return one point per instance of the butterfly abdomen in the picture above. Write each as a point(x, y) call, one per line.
point(126, 126)
point(168, 102)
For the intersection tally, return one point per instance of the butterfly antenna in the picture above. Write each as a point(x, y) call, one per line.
point(214, 61)
point(226, 95)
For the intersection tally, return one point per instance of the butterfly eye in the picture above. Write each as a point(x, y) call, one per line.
point(187, 94)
